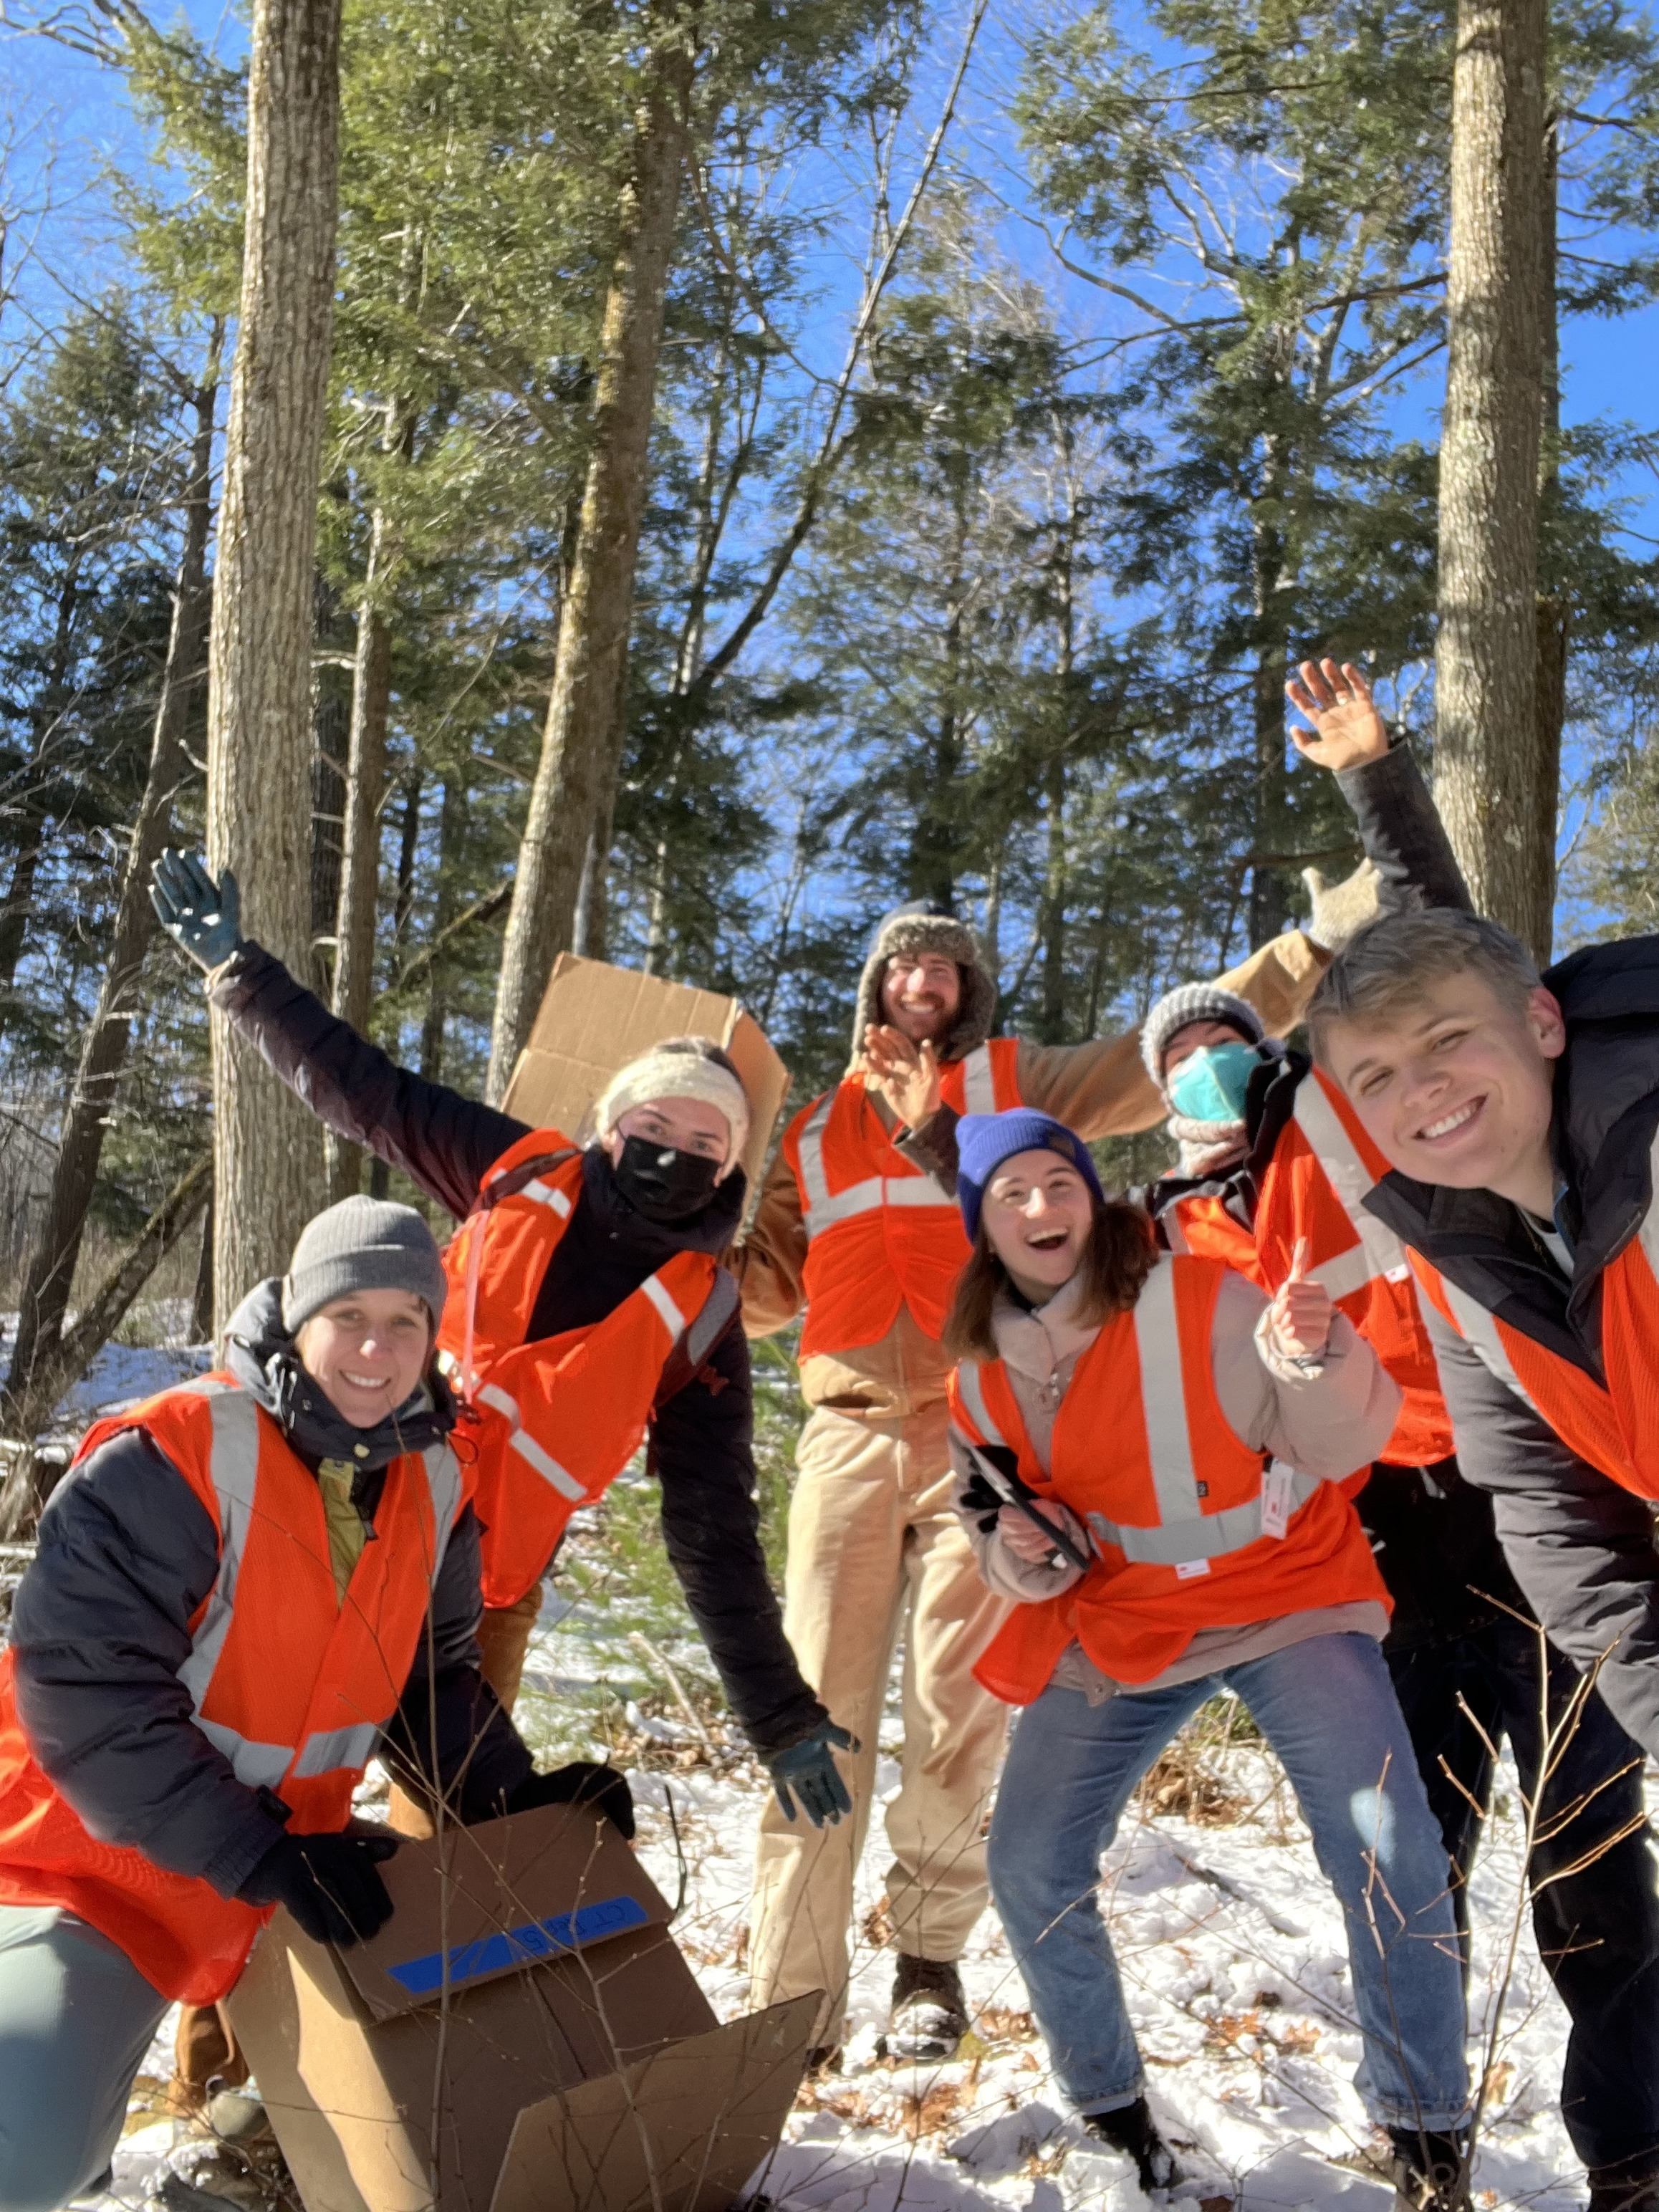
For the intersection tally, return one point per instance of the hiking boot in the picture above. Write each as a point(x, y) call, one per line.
point(930, 2013)
point(1132, 2128)
point(1430, 2171)
point(1632, 2185)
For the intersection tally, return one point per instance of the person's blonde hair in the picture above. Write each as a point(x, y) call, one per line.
point(1119, 1254)
point(1396, 962)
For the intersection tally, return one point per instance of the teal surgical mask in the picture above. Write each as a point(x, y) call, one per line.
point(1211, 1085)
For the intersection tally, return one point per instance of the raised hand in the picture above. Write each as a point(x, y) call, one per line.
point(1300, 1313)
point(203, 918)
point(1348, 732)
point(906, 1074)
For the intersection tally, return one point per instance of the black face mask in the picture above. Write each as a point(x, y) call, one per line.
point(665, 1186)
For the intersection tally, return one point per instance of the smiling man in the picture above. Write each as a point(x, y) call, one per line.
point(855, 1225)
point(1519, 1116)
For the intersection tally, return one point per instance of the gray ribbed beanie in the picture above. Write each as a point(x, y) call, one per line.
point(1195, 1002)
point(361, 1244)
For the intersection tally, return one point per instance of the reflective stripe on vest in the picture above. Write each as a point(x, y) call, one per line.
point(541, 1462)
point(823, 1208)
point(978, 1081)
point(1185, 1533)
point(234, 1469)
point(1380, 1251)
point(1479, 1330)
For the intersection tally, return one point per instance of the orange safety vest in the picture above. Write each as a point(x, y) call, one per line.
point(1313, 1187)
point(1616, 1429)
point(1173, 1500)
point(563, 1416)
point(880, 1231)
point(289, 1682)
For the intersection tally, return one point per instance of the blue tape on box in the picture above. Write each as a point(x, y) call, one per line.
point(520, 1947)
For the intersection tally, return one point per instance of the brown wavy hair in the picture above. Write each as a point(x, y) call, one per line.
point(1119, 1254)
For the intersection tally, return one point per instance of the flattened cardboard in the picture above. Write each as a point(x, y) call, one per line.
point(641, 2141)
point(395, 2083)
point(594, 1018)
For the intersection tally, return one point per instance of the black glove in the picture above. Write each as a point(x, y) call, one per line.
point(328, 1883)
point(979, 1497)
point(582, 1783)
point(203, 918)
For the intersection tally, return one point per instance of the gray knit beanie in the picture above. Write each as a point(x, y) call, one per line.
point(1195, 1002)
point(362, 1244)
point(924, 927)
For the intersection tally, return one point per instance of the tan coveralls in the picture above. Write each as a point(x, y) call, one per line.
point(875, 1546)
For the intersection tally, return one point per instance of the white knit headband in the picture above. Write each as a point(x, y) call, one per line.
point(674, 1075)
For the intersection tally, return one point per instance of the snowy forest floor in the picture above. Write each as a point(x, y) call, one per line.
point(1229, 1943)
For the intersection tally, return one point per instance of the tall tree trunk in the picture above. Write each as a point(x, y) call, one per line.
point(582, 725)
point(18, 904)
point(1553, 597)
point(359, 859)
point(452, 828)
point(268, 1150)
point(1268, 887)
point(1489, 782)
point(103, 1048)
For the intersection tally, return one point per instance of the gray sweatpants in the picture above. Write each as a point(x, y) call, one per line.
point(76, 2017)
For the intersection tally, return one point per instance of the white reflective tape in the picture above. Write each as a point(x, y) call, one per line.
point(916, 1190)
point(1157, 1340)
point(858, 1198)
point(1174, 1235)
point(1479, 1331)
point(1649, 1231)
point(329, 1749)
point(815, 1189)
point(672, 1319)
point(256, 1765)
point(971, 1390)
point(443, 1482)
point(979, 1088)
point(547, 1466)
point(234, 1469)
point(1349, 1272)
point(545, 1194)
point(491, 1394)
point(1351, 1182)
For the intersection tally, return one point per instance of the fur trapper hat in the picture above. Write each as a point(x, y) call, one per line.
point(924, 927)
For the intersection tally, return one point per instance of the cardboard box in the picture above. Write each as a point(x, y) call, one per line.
point(522, 2036)
point(595, 1018)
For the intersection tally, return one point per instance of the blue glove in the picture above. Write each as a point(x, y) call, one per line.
point(203, 918)
point(808, 1769)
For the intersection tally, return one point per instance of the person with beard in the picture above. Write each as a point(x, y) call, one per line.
point(855, 1225)
point(588, 1312)
point(1274, 1157)
point(244, 1587)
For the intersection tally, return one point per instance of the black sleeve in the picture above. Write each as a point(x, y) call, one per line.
point(703, 1452)
point(442, 1141)
point(1403, 834)
point(448, 1720)
point(100, 1626)
point(1581, 1547)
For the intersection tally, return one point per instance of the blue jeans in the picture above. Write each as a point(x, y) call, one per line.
point(1329, 1709)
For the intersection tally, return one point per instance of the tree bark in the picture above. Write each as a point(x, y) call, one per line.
point(51, 1264)
point(360, 861)
point(1490, 780)
point(268, 1149)
point(1553, 597)
point(582, 726)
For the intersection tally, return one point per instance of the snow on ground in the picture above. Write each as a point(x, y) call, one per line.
point(1229, 1943)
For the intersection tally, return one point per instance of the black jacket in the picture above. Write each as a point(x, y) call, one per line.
point(1582, 1547)
point(100, 1626)
point(700, 1436)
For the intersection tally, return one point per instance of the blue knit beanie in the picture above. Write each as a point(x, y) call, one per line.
point(985, 1140)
